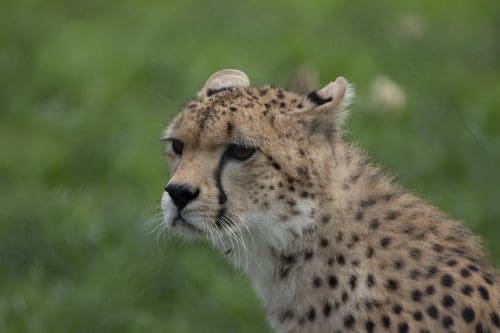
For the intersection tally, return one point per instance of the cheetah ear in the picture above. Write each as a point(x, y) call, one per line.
point(222, 80)
point(325, 110)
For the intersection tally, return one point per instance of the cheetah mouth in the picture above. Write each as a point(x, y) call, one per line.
point(180, 221)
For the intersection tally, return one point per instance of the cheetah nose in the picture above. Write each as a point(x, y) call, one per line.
point(182, 194)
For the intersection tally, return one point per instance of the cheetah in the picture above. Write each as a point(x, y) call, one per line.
point(328, 240)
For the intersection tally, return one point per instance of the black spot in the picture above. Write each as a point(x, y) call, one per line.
point(437, 247)
point(385, 242)
point(451, 263)
point(430, 290)
point(398, 264)
point(355, 238)
point(369, 252)
point(467, 290)
point(368, 202)
point(417, 315)
point(414, 274)
point(392, 215)
point(432, 311)
point(323, 242)
point(416, 295)
point(397, 309)
point(415, 253)
point(374, 224)
point(311, 314)
point(370, 280)
point(349, 320)
point(447, 321)
point(479, 328)
point(352, 282)
point(327, 309)
point(276, 166)
point(341, 260)
point(318, 100)
point(308, 255)
point(403, 327)
point(332, 281)
point(370, 326)
point(386, 321)
point(229, 128)
point(458, 251)
point(317, 282)
point(392, 284)
point(473, 268)
point(325, 219)
point(354, 178)
point(447, 280)
point(495, 319)
point(484, 292)
point(468, 314)
point(359, 216)
point(448, 301)
point(288, 258)
point(465, 272)
point(344, 297)
point(488, 279)
point(431, 271)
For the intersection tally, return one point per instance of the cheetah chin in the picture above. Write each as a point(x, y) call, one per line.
point(328, 240)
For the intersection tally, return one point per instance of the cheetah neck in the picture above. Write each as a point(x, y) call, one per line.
point(281, 264)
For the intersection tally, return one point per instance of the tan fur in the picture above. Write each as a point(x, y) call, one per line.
point(328, 241)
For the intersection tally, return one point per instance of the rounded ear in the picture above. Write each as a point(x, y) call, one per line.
point(335, 96)
point(222, 80)
point(325, 110)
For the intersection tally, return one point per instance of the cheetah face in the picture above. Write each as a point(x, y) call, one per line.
point(247, 159)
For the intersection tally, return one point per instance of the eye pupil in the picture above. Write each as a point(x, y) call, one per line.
point(177, 146)
point(240, 152)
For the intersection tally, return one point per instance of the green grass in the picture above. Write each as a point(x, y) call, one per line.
point(86, 88)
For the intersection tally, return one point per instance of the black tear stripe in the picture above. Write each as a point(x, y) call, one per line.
point(315, 98)
point(211, 92)
point(222, 195)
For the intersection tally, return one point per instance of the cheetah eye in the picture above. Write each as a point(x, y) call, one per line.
point(177, 146)
point(239, 152)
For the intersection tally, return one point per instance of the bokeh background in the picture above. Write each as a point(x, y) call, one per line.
point(86, 88)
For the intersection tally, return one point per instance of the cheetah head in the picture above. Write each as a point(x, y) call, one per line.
point(251, 159)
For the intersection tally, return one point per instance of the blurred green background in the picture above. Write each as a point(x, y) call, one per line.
point(86, 88)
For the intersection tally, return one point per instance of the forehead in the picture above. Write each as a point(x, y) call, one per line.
point(234, 115)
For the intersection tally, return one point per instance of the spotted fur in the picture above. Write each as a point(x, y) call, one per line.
point(329, 242)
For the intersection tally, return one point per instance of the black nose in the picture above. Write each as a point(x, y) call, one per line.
point(182, 194)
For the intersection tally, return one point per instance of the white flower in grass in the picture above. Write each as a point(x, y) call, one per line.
point(386, 93)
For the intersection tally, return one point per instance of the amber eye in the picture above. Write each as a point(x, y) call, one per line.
point(177, 146)
point(239, 152)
